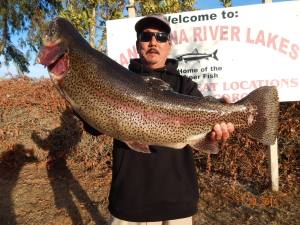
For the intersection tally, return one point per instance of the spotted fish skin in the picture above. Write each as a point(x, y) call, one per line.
point(130, 108)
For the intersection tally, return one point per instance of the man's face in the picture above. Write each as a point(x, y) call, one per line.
point(153, 53)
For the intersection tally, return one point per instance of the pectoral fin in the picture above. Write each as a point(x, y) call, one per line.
point(138, 147)
point(206, 145)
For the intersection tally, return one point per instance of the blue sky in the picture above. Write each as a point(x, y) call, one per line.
point(38, 71)
point(211, 4)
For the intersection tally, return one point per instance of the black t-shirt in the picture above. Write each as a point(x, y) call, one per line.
point(157, 186)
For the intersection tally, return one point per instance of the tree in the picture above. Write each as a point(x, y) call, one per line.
point(146, 7)
point(89, 17)
point(226, 3)
point(27, 18)
point(24, 18)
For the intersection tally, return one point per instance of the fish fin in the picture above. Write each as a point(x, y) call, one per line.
point(195, 51)
point(157, 84)
point(214, 55)
point(264, 120)
point(206, 145)
point(138, 147)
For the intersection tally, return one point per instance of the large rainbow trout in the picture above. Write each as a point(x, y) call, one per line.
point(143, 111)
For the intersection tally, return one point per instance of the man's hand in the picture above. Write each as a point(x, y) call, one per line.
point(222, 131)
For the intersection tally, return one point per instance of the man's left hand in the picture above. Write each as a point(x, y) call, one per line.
point(222, 131)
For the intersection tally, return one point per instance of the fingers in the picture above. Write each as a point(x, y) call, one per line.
point(218, 132)
point(213, 135)
point(225, 132)
point(225, 99)
point(222, 131)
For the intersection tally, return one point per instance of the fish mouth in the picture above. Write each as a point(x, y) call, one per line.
point(58, 69)
point(55, 58)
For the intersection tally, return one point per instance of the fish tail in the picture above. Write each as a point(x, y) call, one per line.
point(214, 55)
point(265, 120)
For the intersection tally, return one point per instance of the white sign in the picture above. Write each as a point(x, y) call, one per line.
point(229, 51)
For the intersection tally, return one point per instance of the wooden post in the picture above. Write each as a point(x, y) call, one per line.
point(273, 155)
point(131, 8)
point(273, 166)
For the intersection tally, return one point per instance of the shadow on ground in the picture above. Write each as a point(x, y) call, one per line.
point(59, 143)
point(11, 163)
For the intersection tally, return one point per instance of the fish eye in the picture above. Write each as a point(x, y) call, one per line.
point(52, 31)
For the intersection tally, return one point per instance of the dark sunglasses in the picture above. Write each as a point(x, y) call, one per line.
point(159, 36)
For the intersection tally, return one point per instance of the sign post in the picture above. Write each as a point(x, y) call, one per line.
point(273, 156)
point(131, 9)
point(273, 166)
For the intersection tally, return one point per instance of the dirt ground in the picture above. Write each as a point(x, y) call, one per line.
point(52, 172)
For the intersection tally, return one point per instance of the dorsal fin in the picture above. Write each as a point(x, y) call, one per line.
point(195, 51)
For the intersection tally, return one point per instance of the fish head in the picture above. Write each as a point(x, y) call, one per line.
point(58, 38)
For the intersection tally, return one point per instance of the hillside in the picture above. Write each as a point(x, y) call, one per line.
point(53, 172)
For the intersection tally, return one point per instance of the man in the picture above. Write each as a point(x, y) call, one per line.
point(161, 187)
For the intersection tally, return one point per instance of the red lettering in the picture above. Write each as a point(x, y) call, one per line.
point(260, 39)
point(208, 87)
point(294, 82)
point(249, 40)
point(260, 83)
point(235, 97)
point(225, 88)
point(183, 37)
point(132, 53)
point(213, 86)
point(224, 33)
point(234, 85)
point(294, 51)
point(214, 32)
point(243, 85)
point(174, 37)
point(252, 85)
point(274, 83)
point(283, 46)
point(284, 82)
point(235, 33)
point(123, 60)
point(197, 34)
point(271, 43)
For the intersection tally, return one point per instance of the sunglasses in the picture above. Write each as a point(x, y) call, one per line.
point(159, 36)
